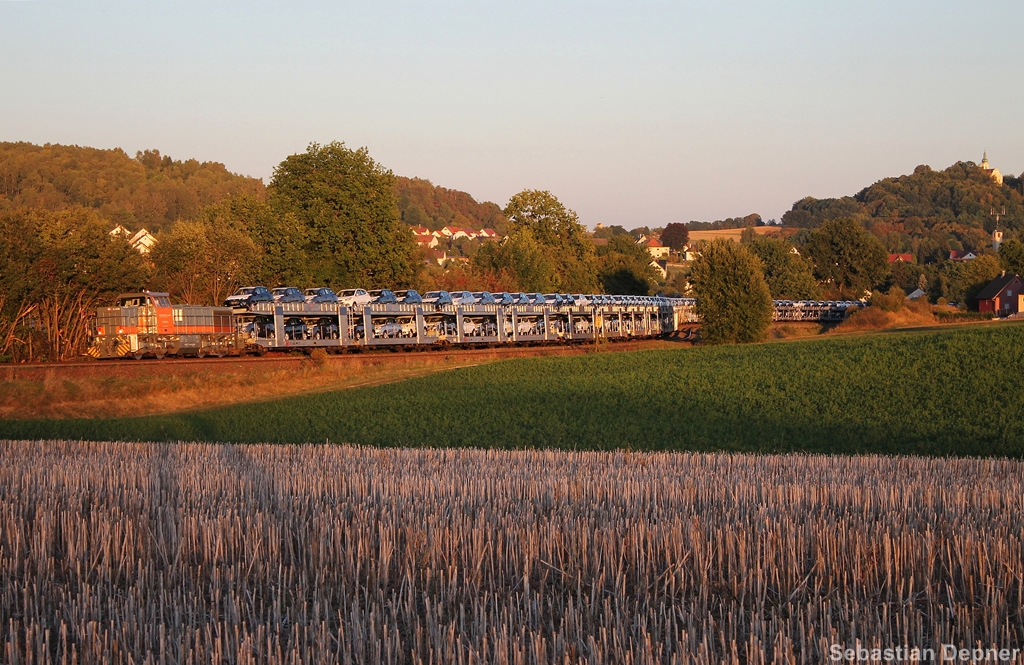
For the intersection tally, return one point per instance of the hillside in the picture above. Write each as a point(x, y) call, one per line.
point(422, 203)
point(901, 393)
point(150, 190)
point(927, 212)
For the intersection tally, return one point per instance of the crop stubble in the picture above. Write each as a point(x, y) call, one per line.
point(120, 552)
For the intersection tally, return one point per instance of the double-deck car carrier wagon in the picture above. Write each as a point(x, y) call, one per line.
point(146, 324)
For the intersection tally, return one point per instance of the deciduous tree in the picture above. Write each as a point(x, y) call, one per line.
point(789, 276)
point(733, 299)
point(625, 267)
point(559, 231)
point(675, 236)
point(847, 259)
point(346, 202)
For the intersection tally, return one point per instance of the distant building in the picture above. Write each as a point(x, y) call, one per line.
point(966, 255)
point(916, 293)
point(661, 266)
point(688, 253)
point(657, 250)
point(997, 240)
point(427, 240)
point(142, 242)
point(1003, 296)
point(901, 258)
point(990, 170)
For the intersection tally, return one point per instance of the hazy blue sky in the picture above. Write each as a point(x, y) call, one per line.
point(632, 113)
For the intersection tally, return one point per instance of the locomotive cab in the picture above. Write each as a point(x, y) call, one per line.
point(147, 324)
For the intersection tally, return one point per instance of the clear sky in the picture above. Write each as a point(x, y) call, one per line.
point(632, 113)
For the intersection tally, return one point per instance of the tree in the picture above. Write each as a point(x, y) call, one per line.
point(521, 258)
point(733, 299)
point(847, 259)
point(1011, 256)
point(55, 268)
point(963, 280)
point(205, 260)
point(558, 229)
point(625, 267)
point(346, 203)
point(789, 276)
point(675, 236)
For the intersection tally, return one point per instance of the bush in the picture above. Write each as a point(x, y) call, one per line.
point(893, 301)
point(319, 357)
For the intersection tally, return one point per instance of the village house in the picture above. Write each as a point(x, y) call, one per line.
point(965, 255)
point(1004, 296)
point(142, 242)
point(427, 240)
point(903, 258)
point(657, 250)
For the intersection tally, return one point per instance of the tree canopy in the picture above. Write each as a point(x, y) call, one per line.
point(847, 259)
point(926, 213)
point(733, 299)
point(789, 275)
point(625, 267)
point(558, 229)
point(151, 190)
point(1011, 256)
point(421, 203)
point(675, 236)
point(345, 202)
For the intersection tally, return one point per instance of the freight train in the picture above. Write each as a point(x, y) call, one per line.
point(147, 324)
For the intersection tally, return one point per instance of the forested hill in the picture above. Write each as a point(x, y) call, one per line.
point(958, 203)
point(423, 204)
point(149, 190)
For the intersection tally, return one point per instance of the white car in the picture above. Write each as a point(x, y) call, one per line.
point(354, 297)
point(463, 298)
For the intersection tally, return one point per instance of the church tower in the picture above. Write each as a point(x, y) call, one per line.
point(992, 172)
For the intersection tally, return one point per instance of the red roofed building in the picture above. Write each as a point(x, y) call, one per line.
point(1003, 296)
point(426, 240)
point(657, 250)
point(905, 258)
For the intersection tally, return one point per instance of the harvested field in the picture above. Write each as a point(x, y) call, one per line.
point(119, 553)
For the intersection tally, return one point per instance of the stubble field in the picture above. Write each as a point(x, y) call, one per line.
point(194, 553)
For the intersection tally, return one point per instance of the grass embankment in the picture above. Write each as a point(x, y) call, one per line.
point(114, 389)
point(949, 392)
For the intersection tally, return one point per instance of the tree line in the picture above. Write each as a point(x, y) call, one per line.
point(333, 216)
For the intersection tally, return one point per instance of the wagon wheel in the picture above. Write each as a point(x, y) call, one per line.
point(159, 354)
point(201, 353)
point(138, 355)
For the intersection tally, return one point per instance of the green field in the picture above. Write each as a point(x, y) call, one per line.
point(949, 392)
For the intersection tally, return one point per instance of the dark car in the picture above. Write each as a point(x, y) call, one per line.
point(409, 297)
point(504, 298)
point(247, 296)
point(437, 298)
point(484, 298)
point(283, 294)
point(383, 297)
point(321, 295)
